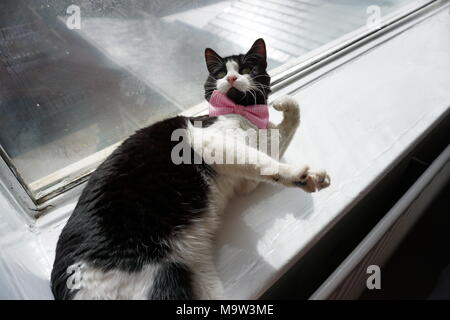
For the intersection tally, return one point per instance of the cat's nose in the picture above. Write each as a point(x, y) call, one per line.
point(231, 79)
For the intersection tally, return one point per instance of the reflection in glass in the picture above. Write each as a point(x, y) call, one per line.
point(67, 94)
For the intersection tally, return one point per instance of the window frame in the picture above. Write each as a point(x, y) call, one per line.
point(283, 77)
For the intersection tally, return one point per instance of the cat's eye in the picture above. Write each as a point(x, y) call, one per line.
point(246, 70)
point(221, 74)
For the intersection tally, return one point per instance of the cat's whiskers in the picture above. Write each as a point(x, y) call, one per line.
point(255, 89)
point(261, 75)
point(262, 85)
point(253, 94)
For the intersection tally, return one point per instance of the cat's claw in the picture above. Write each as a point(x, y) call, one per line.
point(313, 181)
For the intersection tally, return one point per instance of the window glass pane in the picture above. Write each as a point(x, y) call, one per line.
point(68, 93)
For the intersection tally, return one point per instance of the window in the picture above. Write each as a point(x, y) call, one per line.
point(77, 77)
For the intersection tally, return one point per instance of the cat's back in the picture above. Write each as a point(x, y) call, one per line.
point(126, 215)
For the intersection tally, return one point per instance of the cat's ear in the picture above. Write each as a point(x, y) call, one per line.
point(213, 60)
point(258, 52)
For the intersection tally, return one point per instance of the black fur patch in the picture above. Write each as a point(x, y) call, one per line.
point(173, 281)
point(131, 205)
point(206, 121)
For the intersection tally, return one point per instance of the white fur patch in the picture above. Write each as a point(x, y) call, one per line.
point(96, 284)
point(232, 67)
point(242, 83)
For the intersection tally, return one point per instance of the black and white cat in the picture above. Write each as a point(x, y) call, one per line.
point(144, 225)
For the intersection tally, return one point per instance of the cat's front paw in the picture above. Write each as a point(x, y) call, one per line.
point(304, 178)
point(313, 181)
point(287, 104)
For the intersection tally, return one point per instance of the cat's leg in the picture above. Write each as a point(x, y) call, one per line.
point(286, 130)
point(288, 126)
point(291, 120)
point(259, 166)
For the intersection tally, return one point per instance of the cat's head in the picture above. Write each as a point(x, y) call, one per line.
point(243, 78)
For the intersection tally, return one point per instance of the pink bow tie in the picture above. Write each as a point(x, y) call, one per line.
point(220, 104)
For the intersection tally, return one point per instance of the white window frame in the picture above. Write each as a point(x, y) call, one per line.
point(285, 79)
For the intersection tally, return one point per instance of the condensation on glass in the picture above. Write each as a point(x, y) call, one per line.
point(73, 84)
